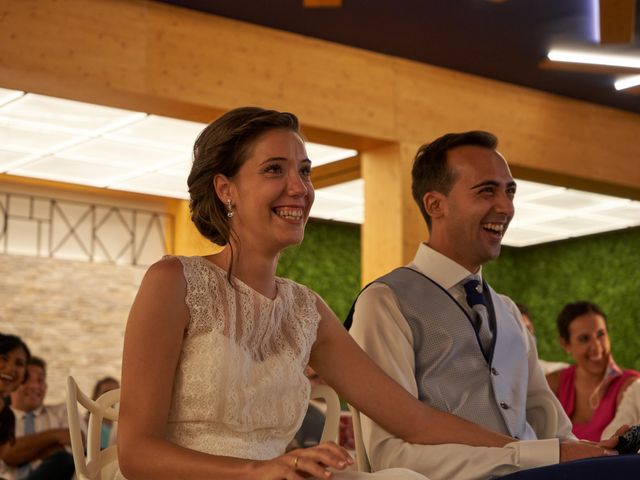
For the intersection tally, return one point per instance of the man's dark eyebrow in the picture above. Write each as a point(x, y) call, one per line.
point(493, 183)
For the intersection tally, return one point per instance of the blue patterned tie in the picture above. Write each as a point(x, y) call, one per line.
point(29, 429)
point(475, 299)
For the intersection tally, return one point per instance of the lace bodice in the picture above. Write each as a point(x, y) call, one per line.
point(239, 387)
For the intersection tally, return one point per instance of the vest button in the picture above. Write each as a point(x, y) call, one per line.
point(504, 406)
point(494, 372)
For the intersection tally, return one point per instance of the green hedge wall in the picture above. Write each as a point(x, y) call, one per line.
point(327, 261)
point(602, 268)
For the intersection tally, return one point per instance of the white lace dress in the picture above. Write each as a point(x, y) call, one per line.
point(239, 388)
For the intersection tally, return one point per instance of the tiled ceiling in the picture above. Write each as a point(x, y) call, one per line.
point(67, 141)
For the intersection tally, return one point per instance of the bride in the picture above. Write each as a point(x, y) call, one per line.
point(215, 347)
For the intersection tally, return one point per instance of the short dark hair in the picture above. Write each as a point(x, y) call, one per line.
point(522, 308)
point(99, 384)
point(430, 171)
point(38, 362)
point(221, 148)
point(10, 342)
point(571, 311)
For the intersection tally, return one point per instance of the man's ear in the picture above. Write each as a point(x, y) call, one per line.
point(222, 185)
point(434, 204)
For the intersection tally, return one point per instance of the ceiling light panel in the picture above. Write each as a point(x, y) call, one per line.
point(7, 96)
point(57, 114)
point(162, 132)
point(69, 170)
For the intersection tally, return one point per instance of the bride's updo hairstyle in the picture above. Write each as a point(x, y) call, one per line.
point(222, 147)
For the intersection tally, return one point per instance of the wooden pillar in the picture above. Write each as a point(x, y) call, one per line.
point(187, 239)
point(393, 226)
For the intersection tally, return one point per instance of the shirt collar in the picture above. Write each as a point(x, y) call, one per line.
point(21, 413)
point(439, 267)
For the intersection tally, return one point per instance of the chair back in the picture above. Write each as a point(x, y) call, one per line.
point(331, 429)
point(362, 460)
point(542, 415)
point(97, 464)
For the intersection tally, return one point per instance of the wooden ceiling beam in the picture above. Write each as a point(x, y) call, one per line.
point(617, 21)
point(322, 3)
point(336, 172)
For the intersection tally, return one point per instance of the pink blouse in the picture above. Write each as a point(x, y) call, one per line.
point(605, 411)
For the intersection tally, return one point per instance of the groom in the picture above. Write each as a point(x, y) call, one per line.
point(440, 330)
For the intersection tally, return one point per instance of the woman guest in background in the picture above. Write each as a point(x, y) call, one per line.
point(592, 390)
point(104, 385)
point(14, 355)
point(215, 346)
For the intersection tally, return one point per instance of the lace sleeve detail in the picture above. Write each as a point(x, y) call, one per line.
point(202, 296)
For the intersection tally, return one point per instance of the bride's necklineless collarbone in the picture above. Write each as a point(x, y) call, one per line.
point(273, 294)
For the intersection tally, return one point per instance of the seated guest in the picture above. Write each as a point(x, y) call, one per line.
point(547, 367)
point(14, 355)
point(102, 386)
point(220, 391)
point(591, 390)
point(42, 431)
point(7, 429)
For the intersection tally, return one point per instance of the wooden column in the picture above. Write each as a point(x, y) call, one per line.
point(393, 225)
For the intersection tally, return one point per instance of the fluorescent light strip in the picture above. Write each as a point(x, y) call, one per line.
point(627, 82)
point(590, 58)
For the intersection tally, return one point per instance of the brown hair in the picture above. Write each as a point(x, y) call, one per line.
point(571, 311)
point(430, 171)
point(222, 148)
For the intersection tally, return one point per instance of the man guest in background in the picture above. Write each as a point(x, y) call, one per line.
point(42, 431)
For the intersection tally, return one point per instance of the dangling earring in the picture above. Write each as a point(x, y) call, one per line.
point(229, 208)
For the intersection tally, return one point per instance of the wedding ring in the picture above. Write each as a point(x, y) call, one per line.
point(295, 462)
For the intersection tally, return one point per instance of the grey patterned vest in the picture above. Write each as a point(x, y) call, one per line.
point(451, 371)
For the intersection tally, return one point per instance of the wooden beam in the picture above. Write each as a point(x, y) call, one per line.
point(617, 21)
point(163, 59)
point(322, 3)
point(336, 172)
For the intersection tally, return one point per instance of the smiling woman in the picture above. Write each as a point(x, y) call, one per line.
point(221, 391)
point(592, 390)
point(14, 355)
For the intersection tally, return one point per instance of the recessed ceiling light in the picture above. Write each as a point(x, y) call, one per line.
point(627, 82)
point(594, 58)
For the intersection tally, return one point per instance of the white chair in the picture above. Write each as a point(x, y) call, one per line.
point(362, 460)
point(542, 415)
point(331, 429)
point(97, 464)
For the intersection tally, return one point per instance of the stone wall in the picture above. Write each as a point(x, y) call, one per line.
point(72, 314)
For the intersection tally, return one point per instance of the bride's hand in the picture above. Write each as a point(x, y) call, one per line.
point(302, 463)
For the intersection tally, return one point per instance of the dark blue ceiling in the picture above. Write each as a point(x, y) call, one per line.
point(500, 40)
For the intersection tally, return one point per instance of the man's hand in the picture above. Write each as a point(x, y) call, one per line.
point(577, 450)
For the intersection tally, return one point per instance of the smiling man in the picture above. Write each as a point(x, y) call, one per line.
point(42, 431)
point(444, 334)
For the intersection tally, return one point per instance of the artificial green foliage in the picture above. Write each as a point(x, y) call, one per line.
point(604, 269)
point(328, 262)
